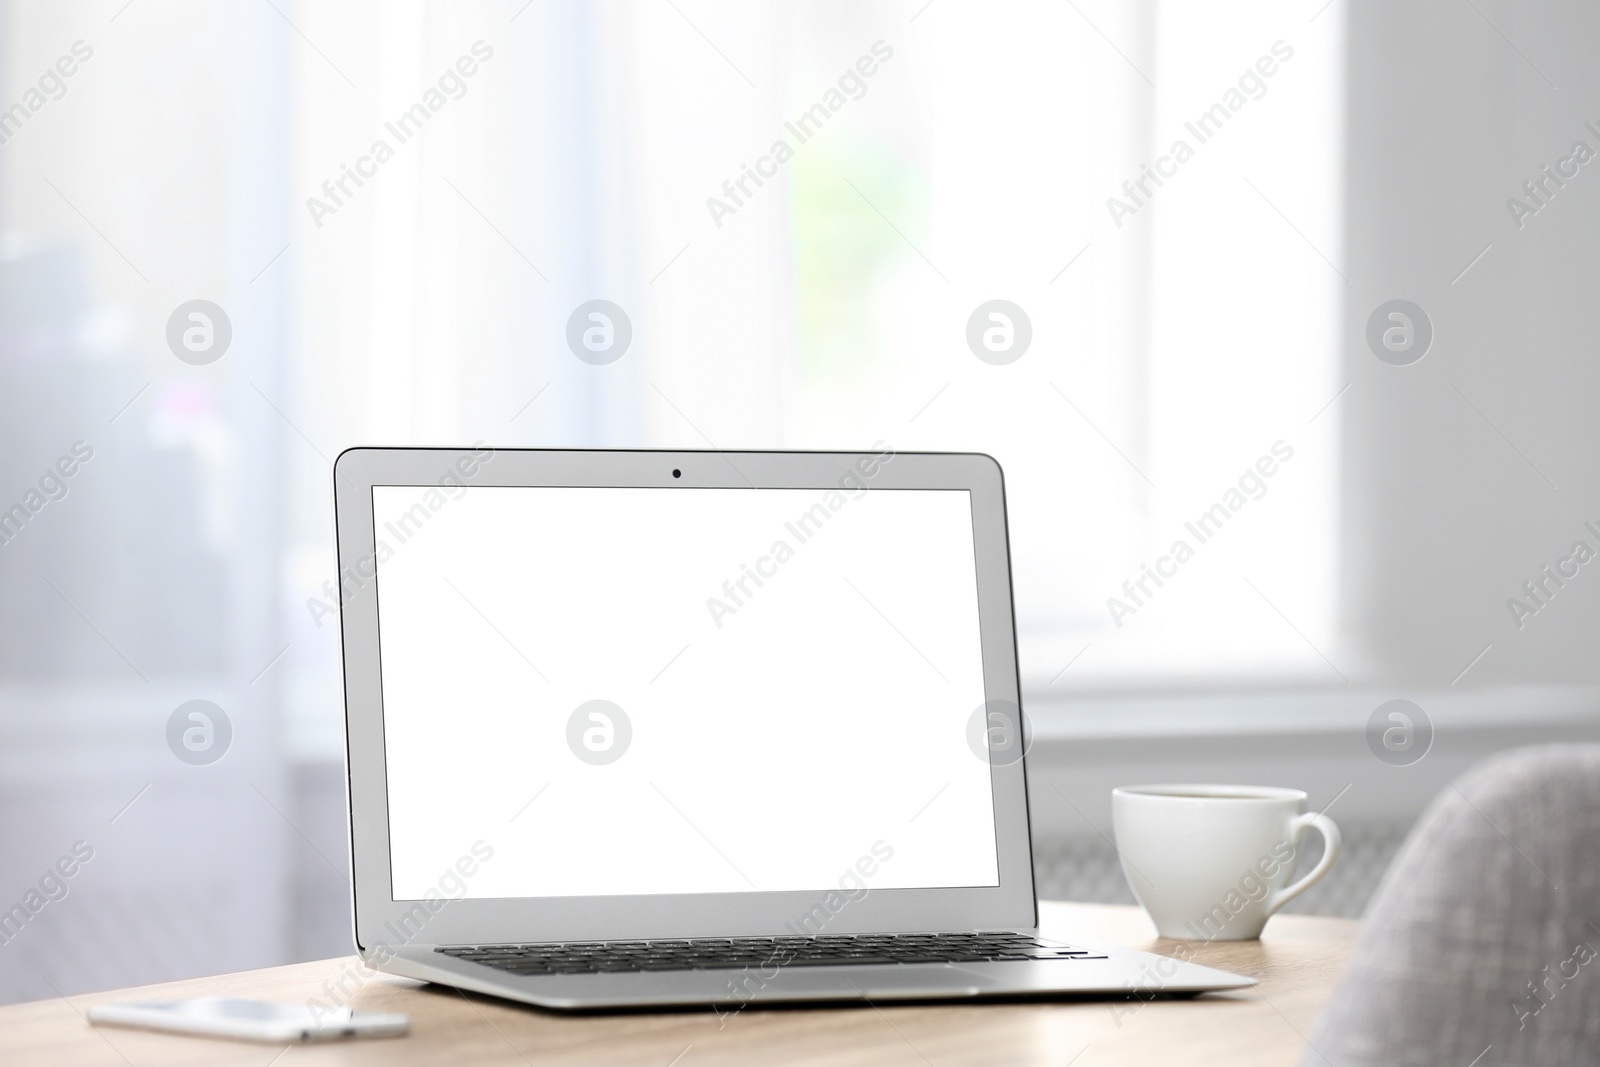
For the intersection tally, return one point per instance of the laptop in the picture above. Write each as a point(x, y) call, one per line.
point(638, 728)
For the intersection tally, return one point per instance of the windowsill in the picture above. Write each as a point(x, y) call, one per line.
point(1289, 712)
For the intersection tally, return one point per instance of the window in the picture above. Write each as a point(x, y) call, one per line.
point(799, 245)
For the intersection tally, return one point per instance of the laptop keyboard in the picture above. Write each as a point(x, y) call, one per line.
point(710, 954)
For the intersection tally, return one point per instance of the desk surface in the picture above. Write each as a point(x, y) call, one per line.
point(1298, 962)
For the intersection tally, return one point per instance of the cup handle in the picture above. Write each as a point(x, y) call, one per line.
point(1331, 841)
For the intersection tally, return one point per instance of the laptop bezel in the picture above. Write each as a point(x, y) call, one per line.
point(383, 922)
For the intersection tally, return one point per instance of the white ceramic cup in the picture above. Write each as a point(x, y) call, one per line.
point(1213, 862)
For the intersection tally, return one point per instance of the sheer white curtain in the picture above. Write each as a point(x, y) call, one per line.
point(150, 176)
point(1247, 290)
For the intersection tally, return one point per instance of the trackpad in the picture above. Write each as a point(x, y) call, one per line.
point(888, 983)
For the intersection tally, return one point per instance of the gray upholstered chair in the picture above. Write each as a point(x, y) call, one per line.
point(1482, 946)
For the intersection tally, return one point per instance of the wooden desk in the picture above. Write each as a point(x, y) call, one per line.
point(1298, 961)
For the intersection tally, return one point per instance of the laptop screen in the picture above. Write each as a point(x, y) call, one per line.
point(619, 691)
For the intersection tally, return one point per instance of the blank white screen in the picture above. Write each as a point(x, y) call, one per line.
point(772, 745)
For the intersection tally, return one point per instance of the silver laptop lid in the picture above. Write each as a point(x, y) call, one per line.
point(621, 694)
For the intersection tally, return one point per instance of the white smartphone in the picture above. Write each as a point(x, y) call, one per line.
point(249, 1020)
